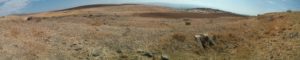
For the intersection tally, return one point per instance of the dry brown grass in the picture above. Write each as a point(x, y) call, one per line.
point(185, 15)
point(118, 34)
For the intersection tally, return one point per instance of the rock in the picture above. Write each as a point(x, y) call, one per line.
point(197, 38)
point(148, 54)
point(28, 18)
point(164, 57)
point(293, 35)
point(212, 40)
point(205, 40)
point(140, 51)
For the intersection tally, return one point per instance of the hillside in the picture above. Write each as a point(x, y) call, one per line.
point(143, 32)
point(205, 10)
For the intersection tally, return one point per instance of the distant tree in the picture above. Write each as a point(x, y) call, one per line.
point(259, 15)
point(289, 11)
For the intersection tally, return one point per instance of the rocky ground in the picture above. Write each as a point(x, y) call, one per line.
point(141, 32)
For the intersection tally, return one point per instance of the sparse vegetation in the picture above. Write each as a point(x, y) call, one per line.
point(100, 35)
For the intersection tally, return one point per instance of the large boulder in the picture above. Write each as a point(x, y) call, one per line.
point(205, 40)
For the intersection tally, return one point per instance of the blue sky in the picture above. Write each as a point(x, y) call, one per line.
point(248, 7)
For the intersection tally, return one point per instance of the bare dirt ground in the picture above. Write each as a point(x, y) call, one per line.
point(140, 32)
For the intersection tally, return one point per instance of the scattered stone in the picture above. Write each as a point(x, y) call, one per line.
point(164, 57)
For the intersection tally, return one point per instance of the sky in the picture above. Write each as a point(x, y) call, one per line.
point(246, 7)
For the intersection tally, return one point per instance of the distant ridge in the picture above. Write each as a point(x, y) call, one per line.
point(205, 10)
point(209, 10)
point(95, 5)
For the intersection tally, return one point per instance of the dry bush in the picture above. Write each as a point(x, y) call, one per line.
point(188, 23)
point(289, 11)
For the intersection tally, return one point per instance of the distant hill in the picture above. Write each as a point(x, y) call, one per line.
point(94, 6)
point(205, 10)
point(173, 5)
point(208, 11)
point(191, 9)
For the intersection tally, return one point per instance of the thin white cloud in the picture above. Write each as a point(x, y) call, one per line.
point(12, 6)
point(270, 1)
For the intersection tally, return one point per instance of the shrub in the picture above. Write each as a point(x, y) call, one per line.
point(179, 37)
point(188, 23)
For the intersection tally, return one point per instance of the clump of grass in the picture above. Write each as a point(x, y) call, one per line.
point(96, 23)
point(179, 37)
